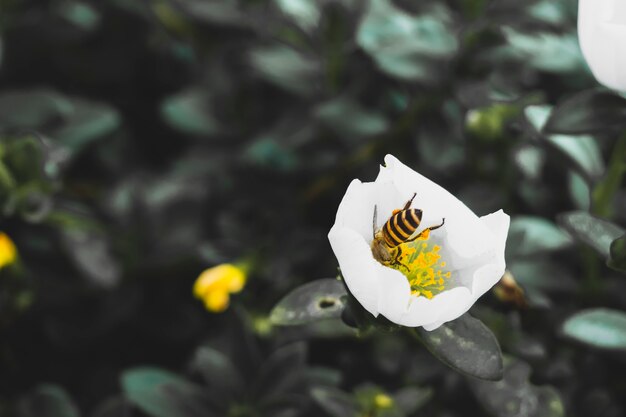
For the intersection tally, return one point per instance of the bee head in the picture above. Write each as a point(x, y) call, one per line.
point(419, 214)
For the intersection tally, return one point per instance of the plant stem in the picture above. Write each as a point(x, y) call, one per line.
point(604, 192)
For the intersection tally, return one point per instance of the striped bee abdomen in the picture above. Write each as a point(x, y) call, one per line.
point(401, 226)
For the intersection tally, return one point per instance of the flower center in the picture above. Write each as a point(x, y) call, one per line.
point(421, 263)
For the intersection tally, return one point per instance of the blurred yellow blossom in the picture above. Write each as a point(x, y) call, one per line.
point(383, 401)
point(214, 285)
point(8, 252)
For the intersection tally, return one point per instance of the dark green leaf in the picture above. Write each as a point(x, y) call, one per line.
point(539, 235)
point(335, 402)
point(589, 111)
point(411, 399)
point(601, 328)
point(317, 300)
point(191, 112)
point(546, 51)
point(582, 151)
point(349, 119)
point(542, 274)
point(306, 14)
point(401, 44)
point(90, 250)
point(286, 68)
point(114, 407)
point(617, 258)
point(217, 370)
point(515, 396)
point(467, 346)
point(595, 232)
point(32, 109)
point(160, 393)
point(281, 372)
point(47, 401)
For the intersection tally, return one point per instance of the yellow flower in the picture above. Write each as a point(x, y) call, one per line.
point(8, 252)
point(383, 401)
point(214, 286)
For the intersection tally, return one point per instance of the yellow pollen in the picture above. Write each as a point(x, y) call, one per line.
point(421, 263)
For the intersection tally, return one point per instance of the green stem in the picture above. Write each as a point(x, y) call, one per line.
point(6, 179)
point(604, 192)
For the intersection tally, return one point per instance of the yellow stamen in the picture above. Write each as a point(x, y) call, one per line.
point(420, 263)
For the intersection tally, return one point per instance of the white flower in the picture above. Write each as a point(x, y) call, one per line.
point(467, 253)
point(602, 37)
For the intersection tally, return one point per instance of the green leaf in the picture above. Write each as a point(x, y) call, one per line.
point(47, 401)
point(90, 250)
point(317, 300)
point(581, 151)
point(160, 393)
point(542, 274)
point(32, 109)
point(467, 346)
point(88, 122)
point(545, 51)
point(282, 372)
point(306, 14)
point(113, 407)
point(351, 120)
point(537, 235)
point(402, 44)
point(587, 112)
point(335, 402)
point(515, 396)
point(411, 399)
point(595, 232)
point(617, 258)
point(190, 112)
point(217, 370)
point(286, 68)
point(601, 328)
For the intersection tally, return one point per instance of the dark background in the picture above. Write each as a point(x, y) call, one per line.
point(149, 140)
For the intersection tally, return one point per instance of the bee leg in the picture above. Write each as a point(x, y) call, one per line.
point(396, 260)
point(408, 203)
point(406, 206)
point(426, 232)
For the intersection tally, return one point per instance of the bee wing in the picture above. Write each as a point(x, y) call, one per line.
point(374, 221)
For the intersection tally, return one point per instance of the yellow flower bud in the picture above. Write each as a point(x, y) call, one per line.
point(214, 286)
point(8, 252)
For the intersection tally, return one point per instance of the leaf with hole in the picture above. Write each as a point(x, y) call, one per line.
point(317, 300)
point(467, 346)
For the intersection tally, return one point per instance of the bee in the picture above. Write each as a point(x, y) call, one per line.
point(400, 228)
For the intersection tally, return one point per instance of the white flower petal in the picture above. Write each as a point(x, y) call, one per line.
point(358, 267)
point(488, 275)
point(439, 309)
point(602, 35)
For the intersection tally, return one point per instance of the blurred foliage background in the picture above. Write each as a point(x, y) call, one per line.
point(145, 141)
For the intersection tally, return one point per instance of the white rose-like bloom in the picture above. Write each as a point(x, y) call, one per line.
point(602, 37)
point(469, 249)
